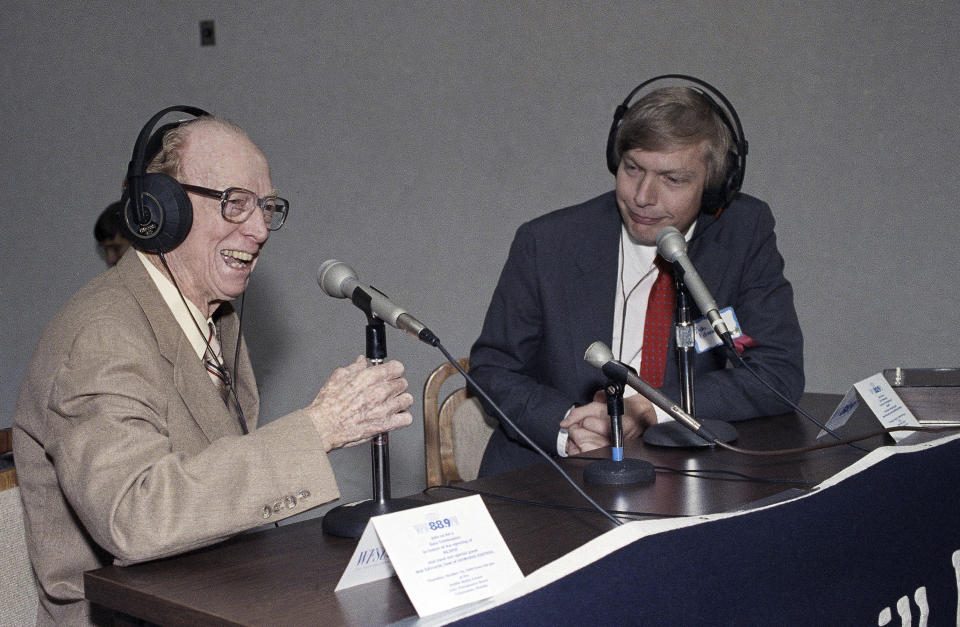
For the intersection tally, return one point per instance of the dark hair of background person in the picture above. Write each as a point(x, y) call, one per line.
point(107, 233)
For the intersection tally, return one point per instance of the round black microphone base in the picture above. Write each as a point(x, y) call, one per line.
point(349, 521)
point(674, 434)
point(610, 472)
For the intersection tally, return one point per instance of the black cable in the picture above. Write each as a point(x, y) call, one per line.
point(696, 473)
point(728, 342)
point(523, 435)
point(557, 506)
point(826, 445)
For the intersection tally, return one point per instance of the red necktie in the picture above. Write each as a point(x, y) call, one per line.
point(656, 328)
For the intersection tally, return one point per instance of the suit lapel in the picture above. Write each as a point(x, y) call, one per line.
point(190, 379)
point(228, 328)
point(200, 395)
point(709, 257)
point(591, 290)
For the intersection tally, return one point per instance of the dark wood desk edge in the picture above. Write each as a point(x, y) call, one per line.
point(140, 605)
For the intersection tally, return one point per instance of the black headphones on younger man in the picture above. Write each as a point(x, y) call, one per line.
point(716, 198)
point(155, 213)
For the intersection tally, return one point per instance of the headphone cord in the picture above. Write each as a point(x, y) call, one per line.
point(231, 380)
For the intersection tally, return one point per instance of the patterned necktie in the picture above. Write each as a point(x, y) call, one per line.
point(218, 374)
point(656, 327)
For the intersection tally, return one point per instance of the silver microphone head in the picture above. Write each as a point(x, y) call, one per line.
point(598, 354)
point(671, 244)
point(332, 274)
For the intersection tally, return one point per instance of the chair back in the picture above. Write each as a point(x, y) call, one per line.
point(455, 431)
point(8, 475)
point(18, 585)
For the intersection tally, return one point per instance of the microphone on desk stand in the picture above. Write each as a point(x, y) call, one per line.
point(672, 246)
point(617, 470)
point(675, 434)
point(600, 356)
point(339, 280)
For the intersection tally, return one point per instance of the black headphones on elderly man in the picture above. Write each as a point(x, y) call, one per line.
point(156, 213)
point(714, 199)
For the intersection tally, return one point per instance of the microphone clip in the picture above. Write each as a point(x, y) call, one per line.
point(363, 301)
point(614, 391)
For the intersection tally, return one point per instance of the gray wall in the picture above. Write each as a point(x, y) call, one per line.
point(414, 137)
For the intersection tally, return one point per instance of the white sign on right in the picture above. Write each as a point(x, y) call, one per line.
point(885, 404)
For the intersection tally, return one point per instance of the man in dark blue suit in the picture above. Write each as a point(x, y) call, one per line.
point(585, 273)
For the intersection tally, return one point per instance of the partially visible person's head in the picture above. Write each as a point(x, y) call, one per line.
point(214, 262)
point(670, 118)
point(106, 231)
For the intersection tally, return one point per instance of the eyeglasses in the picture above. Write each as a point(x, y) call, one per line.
point(236, 205)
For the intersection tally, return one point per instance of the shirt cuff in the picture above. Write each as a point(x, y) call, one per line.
point(662, 416)
point(563, 436)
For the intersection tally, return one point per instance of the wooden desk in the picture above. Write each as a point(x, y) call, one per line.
point(286, 575)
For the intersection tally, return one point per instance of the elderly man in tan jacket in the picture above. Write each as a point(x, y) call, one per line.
point(127, 446)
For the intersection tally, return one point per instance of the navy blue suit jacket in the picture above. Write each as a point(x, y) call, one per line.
point(556, 296)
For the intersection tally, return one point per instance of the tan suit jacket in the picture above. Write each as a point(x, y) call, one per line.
point(125, 451)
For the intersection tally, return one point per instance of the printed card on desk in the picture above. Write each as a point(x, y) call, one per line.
point(879, 396)
point(446, 554)
point(368, 563)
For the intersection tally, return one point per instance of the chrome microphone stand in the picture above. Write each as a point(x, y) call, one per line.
point(617, 470)
point(349, 520)
point(673, 433)
point(685, 346)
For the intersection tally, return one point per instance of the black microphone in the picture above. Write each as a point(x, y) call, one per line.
point(672, 246)
point(600, 356)
point(339, 280)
